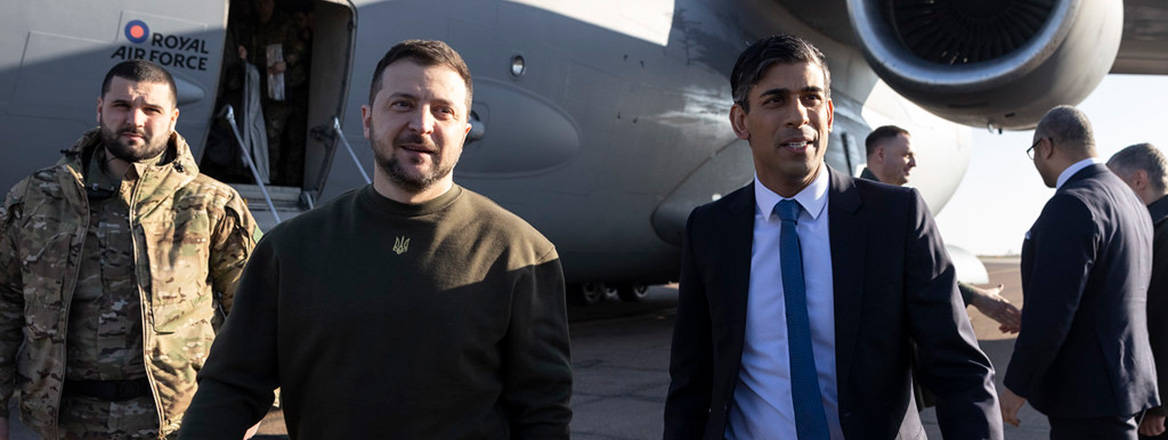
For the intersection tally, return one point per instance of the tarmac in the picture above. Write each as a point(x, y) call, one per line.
point(620, 355)
point(621, 364)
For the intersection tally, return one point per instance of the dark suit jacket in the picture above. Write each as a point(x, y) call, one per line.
point(1083, 350)
point(1158, 293)
point(893, 284)
point(965, 289)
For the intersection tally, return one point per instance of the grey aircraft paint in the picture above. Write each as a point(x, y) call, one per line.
point(614, 129)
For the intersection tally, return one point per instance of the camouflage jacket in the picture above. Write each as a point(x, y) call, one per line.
point(191, 238)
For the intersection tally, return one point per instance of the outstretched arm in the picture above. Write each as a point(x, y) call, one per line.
point(951, 364)
point(991, 303)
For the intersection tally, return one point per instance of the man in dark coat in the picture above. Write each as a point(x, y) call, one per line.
point(1082, 357)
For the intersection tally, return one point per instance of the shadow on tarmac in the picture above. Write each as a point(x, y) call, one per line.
point(620, 356)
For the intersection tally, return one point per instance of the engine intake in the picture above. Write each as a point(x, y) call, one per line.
point(997, 63)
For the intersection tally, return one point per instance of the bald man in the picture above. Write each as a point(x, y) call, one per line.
point(1083, 357)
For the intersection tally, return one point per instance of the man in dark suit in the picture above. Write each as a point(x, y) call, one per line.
point(891, 158)
point(801, 293)
point(1144, 168)
point(1082, 357)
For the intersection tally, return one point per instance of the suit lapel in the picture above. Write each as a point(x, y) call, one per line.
point(738, 241)
point(848, 245)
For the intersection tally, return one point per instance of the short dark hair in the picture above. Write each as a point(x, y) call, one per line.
point(880, 134)
point(140, 71)
point(1069, 127)
point(1145, 157)
point(426, 53)
point(753, 63)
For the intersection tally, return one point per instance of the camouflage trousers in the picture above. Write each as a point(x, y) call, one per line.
point(86, 418)
point(286, 123)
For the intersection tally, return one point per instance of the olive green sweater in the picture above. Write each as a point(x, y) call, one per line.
point(443, 320)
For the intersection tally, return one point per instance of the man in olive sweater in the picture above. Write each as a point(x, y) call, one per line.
point(411, 308)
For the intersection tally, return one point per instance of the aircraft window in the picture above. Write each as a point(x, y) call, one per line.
point(518, 66)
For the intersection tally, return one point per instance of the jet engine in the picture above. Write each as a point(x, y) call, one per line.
point(995, 63)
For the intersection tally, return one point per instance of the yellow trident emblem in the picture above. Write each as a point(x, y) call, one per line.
point(401, 245)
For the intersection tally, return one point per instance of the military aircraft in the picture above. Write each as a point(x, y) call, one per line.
point(603, 123)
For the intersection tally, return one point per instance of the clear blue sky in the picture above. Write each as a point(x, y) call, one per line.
point(1002, 194)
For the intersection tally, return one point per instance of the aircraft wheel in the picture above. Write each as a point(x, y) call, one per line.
point(632, 292)
point(587, 294)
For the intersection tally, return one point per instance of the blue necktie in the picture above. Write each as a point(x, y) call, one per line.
point(810, 420)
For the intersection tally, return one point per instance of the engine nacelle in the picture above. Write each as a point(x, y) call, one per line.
point(996, 63)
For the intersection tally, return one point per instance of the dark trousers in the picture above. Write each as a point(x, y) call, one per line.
point(1095, 428)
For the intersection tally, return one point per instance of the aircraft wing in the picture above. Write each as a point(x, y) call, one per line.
point(1144, 47)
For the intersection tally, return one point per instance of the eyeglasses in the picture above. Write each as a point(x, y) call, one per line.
point(1030, 151)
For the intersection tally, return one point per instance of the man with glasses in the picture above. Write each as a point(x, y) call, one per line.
point(1030, 151)
point(1083, 357)
point(113, 265)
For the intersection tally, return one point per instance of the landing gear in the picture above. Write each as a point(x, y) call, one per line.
point(632, 292)
point(594, 292)
point(587, 294)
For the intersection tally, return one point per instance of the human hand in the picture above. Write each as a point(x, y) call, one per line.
point(278, 68)
point(251, 432)
point(1011, 403)
point(992, 304)
point(1152, 425)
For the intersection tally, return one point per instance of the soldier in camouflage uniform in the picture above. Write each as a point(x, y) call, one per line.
point(286, 120)
point(113, 264)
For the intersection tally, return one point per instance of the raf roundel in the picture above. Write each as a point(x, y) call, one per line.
point(137, 31)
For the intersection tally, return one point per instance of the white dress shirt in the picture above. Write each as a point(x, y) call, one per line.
point(1074, 168)
point(762, 406)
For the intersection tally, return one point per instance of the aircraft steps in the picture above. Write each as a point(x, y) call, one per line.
point(285, 198)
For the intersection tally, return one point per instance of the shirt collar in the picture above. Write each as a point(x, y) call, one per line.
point(1071, 170)
point(812, 198)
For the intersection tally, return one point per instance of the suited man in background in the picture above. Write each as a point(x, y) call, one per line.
point(1144, 168)
point(891, 159)
point(801, 293)
point(1082, 357)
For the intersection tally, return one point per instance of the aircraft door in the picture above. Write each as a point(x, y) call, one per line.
point(285, 78)
point(333, 46)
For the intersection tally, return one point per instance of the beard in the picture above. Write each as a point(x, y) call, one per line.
point(151, 147)
point(392, 165)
